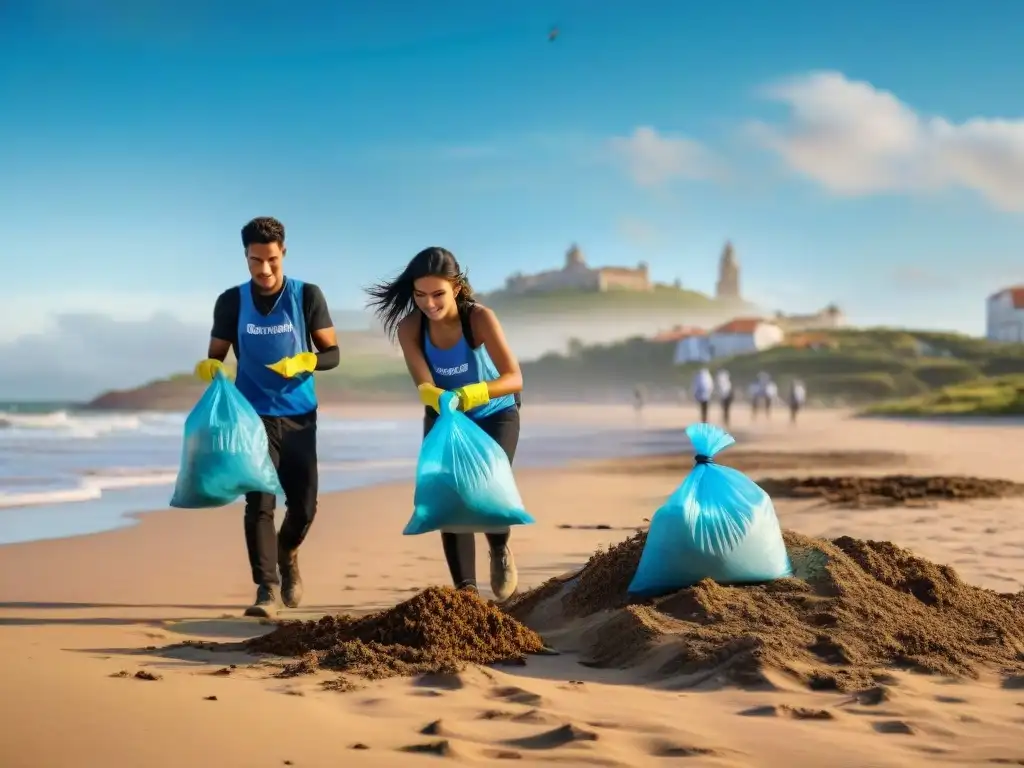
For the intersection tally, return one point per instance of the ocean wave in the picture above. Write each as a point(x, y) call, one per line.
point(65, 424)
point(44, 491)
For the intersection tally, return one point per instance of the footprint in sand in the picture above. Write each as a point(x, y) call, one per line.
point(532, 716)
point(516, 695)
point(662, 748)
point(558, 737)
point(503, 754)
point(440, 680)
point(784, 710)
point(442, 748)
point(891, 727)
point(436, 728)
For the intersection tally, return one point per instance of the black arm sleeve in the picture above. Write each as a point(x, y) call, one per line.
point(314, 306)
point(326, 359)
point(318, 318)
point(225, 316)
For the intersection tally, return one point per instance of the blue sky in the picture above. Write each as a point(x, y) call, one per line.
point(850, 153)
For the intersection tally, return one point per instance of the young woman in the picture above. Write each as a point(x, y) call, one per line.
point(452, 343)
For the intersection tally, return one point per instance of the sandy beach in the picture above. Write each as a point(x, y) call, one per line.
point(76, 613)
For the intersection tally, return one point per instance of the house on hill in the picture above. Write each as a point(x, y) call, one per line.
point(1004, 315)
point(743, 335)
point(691, 344)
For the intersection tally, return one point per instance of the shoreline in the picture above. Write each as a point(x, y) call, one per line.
point(78, 612)
point(655, 435)
point(592, 433)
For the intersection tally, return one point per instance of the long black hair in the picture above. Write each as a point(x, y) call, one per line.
point(392, 301)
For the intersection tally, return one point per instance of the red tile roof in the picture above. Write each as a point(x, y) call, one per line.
point(740, 325)
point(1016, 293)
point(678, 333)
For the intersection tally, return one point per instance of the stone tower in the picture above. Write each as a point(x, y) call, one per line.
point(574, 258)
point(728, 286)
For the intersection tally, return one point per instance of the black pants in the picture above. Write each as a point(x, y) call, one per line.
point(726, 406)
point(794, 409)
point(292, 441)
point(704, 410)
point(460, 548)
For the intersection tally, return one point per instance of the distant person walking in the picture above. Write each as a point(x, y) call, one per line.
point(723, 386)
point(767, 391)
point(703, 387)
point(639, 396)
point(754, 393)
point(797, 398)
point(771, 394)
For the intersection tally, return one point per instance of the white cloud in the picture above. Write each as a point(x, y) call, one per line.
point(854, 139)
point(653, 159)
point(83, 354)
point(37, 311)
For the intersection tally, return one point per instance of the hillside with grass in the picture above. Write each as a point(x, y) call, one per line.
point(662, 297)
point(996, 396)
point(844, 367)
point(903, 371)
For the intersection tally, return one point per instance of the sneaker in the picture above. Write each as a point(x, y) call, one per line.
point(504, 576)
point(291, 579)
point(265, 605)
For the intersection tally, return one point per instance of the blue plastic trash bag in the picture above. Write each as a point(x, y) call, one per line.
point(719, 524)
point(225, 452)
point(463, 479)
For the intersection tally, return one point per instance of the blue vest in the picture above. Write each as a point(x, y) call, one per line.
point(265, 339)
point(461, 365)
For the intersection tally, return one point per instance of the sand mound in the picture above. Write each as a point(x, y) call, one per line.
point(890, 489)
point(438, 630)
point(854, 608)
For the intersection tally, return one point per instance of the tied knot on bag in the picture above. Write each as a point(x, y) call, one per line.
point(700, 458)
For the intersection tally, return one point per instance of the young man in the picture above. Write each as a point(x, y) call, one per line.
point(274, 323)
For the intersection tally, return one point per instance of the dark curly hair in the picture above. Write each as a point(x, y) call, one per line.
point(392, 301)
point(263, 230)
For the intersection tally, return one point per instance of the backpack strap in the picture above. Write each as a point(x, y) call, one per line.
point(465, 311)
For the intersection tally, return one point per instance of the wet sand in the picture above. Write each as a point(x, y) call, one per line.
point(76, 613)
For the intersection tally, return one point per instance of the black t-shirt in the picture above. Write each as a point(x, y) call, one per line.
point(228, 307)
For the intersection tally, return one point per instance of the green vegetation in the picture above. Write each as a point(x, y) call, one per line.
point(892, 370)
point(663, 297)
point(999, 396)
point(845, 367)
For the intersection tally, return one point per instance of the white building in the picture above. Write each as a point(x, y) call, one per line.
point(1004, 315)
point(690, 343)
point(744, 335)
point(692, 349)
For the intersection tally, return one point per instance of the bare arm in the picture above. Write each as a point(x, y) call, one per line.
point(487, 330)
point(409, 341)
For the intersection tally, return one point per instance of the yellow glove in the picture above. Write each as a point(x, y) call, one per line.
point(207, 369)
point(304, 362)
point(473, 395)
point(431, 395)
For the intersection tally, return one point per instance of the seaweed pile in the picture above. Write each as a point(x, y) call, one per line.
point(853, 610)
point(437, 630)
